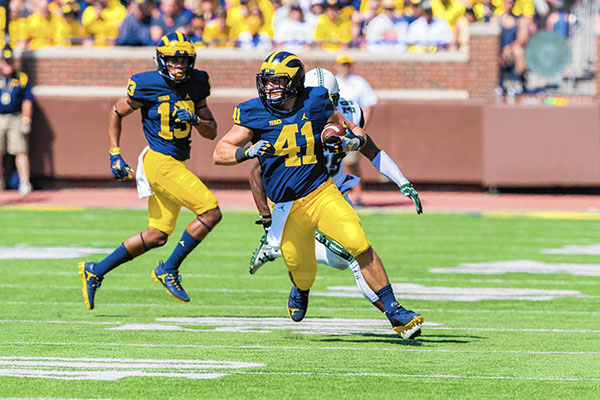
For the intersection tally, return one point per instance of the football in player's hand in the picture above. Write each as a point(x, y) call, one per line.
point(332, 131)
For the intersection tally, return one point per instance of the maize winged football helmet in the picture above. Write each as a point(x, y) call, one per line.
point(290, 71)
point(325, 78)
point(175, 44)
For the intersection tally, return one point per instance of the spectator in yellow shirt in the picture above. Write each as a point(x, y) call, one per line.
point(74, 31)
point(102, 20)
point(450, 10)
point(45, 29)
point(17, 28)
point(453, 11)
point(333, 32)
point(521, 7)
point(217, 33)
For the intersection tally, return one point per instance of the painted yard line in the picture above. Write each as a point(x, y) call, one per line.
point(283, 277)
point(28, 321)
point(400, 294)
point(219, 307)
point(139, 289)
point(305, 348)
point(458, 278)
point(464, 329)
point(97, 232)
point(449, 328)
point(87, 369)
point(219, 253)
point(424, 376)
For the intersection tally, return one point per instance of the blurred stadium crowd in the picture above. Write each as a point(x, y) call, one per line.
point(378, 25)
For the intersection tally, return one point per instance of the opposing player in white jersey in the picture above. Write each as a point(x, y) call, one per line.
point(327, 251)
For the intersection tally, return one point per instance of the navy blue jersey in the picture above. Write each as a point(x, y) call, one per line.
point(298, 167)
point(14, 89)
point(160, 99)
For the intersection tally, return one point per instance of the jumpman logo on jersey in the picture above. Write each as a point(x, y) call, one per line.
point(303, 116)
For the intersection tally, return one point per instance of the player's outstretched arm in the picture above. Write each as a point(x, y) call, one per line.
point(384, 164)
point(122, 108)
point(231, 150)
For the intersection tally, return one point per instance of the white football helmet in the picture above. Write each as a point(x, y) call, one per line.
point(325, 78)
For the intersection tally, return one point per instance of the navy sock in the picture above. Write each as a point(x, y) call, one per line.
point(112, 261)
point(186, 244)
point(386, 295)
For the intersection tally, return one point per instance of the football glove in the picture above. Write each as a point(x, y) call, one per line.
point(409, 191)
point(183, 115)
point(344, 144)
point(260, 148)
point(265, 221)
point(120, 169)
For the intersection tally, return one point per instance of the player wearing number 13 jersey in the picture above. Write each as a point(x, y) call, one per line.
point(284, 125)
point(172, 101)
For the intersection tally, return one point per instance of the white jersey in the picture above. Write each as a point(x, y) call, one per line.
point(352, 112)
point(357, 88)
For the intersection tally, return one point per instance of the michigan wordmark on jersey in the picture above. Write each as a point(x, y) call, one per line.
point(298, 166)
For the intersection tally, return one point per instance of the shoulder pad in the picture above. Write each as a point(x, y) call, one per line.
point(201, 78)
point(139, 84)
point(249, 113)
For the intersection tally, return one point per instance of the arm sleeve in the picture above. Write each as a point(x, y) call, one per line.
point(384, 164)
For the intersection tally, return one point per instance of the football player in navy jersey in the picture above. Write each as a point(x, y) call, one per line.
point(328, 252)
point(284, 125)
point(172, 100)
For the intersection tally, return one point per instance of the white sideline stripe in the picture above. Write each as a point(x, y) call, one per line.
point(428, 327)
point(421, 376)
point(153, 305)
point(304, 348)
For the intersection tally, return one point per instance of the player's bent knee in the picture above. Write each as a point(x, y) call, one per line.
point(210, 218)
point(356, 244)
point(153, 238)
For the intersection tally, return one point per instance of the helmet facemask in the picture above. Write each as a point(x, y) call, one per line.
point(172, 46)
point(281, 78)
point(276, 89)
point(179, 74)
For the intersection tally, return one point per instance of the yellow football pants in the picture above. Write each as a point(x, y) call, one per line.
point(326, 209)
point(174, 186)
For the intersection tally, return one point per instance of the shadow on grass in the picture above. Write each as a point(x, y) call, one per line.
point(396, 340)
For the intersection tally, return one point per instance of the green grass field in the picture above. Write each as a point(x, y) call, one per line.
point(495, 327)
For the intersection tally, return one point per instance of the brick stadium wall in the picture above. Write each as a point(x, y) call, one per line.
point(452, 141)
point(475, 73)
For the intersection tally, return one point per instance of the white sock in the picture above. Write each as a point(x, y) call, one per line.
point(366, 291)
point(388, 167)
point(327, 257)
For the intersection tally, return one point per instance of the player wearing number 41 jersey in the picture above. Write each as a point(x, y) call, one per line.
point(172, 101)
point(284, 125)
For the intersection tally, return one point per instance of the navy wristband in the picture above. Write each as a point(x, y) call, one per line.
point(240, 155)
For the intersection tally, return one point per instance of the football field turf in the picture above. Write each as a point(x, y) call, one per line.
point(511, 304)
